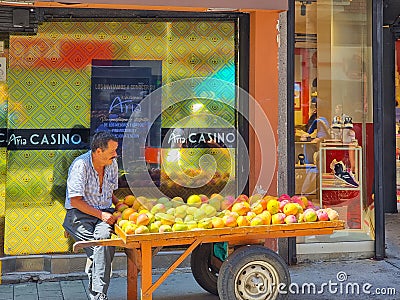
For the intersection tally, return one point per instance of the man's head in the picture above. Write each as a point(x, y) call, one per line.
point(104, 147)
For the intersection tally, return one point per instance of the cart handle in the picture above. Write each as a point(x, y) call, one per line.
point(118, 242)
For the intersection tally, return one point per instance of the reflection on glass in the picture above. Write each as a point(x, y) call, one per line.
point(332, 111)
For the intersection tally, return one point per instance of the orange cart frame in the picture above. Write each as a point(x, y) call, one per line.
point(141, 248)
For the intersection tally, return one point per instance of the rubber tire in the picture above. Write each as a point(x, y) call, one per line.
point(203, 272)
point(229, 271)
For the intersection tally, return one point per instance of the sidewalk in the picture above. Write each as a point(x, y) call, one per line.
point(332, 277)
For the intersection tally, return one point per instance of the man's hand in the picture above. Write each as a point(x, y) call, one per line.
point(108, 218)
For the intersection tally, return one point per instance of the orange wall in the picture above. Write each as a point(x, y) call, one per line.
point(264, 88)
point(176, 4)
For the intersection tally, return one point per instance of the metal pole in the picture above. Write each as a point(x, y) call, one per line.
point(292, 259)
point(377, 65)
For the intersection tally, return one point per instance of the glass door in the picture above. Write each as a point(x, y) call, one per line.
point(333, 112)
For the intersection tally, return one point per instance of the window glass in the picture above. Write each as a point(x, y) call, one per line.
point(333, 111)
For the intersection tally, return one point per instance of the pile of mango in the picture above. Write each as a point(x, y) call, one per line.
point(139, 215)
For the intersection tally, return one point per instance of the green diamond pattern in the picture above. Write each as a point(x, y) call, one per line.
point(45, 90)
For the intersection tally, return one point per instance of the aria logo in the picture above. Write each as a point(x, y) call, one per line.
point(196, 136)
point(47, 139)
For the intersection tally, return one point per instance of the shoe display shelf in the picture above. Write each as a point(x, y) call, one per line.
point(352, 155)
point(340, 182)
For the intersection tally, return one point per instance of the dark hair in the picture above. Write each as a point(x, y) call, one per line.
point(100, 140)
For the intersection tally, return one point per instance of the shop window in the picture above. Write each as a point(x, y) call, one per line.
point(51, 88)
point(333, 111)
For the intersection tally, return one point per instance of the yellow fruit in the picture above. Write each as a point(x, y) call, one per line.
point(117, 214)
point(266, 216)
point(290, 209)
point(127, 212)
point(129, 200)
point(242, 208)
point(242, 221)
point(250, 215)
point(205, 223)
point(143, 219)
point(176, 201)
point(179, 227)
point(159, 207)
point(140, 202)
point(121, 223)
point(194, 200)
point(278, 218)
point(257, 208)
point(130, 228)
point(305, 200)
point(217, 222)
point(256, 221)
point(154, 227)
point(191, 225)
point(165, 228)
point(165, 219)
point(121, 206)
point(133, 217)
point(273, 206)
point(209, 210)
point(142, 229)
point(229, 221)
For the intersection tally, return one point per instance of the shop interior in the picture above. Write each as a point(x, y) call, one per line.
point(333, 111)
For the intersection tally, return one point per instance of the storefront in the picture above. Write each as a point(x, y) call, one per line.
point(71, 71)
point(333, 117)
point(64, 62)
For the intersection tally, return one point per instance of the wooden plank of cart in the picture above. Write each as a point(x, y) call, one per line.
point(246, 272)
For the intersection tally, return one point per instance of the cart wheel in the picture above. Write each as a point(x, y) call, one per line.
point(253, 273)
point(204, 272)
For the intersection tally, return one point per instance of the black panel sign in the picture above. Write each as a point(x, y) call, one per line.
point(118, 88)
point(198, 137)
point(46, 139)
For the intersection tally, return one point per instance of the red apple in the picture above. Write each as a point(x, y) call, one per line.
point(284, 197)
point(242, 198)
point(204, 198)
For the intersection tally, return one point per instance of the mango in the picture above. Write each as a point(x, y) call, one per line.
point(165, 228)
point(256, 221)
point(159, 207)
point(242, 221)
point(179, 227)
point(290, 209)
point(142, 229)
point(273, 206)
point(165, 219)
point(205, 223)
point(194, 200)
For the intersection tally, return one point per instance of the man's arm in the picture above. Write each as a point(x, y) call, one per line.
point(81, 205)
point(115, 200)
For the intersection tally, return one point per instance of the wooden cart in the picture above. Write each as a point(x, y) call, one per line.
point(250, 272)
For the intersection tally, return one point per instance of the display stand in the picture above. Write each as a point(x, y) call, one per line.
point(242, 268)
point(334, 192)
